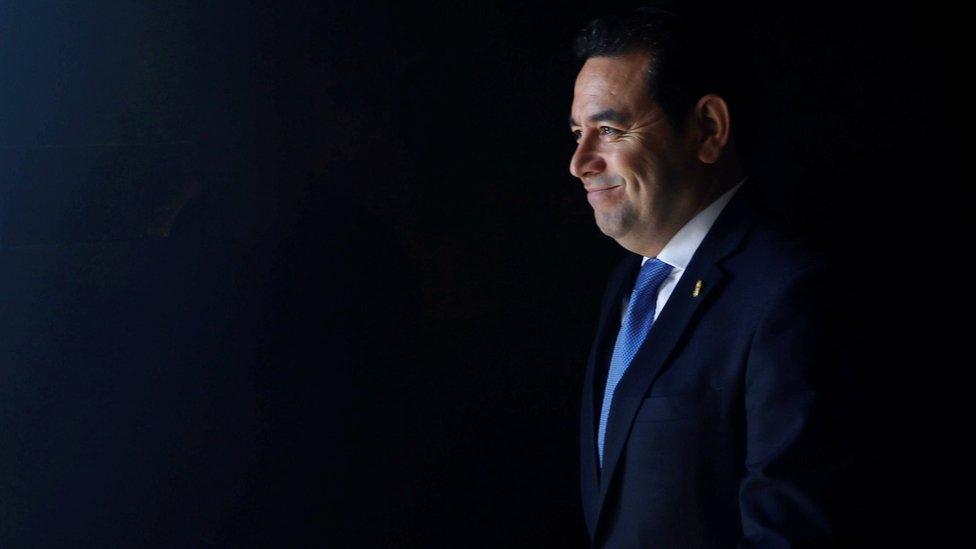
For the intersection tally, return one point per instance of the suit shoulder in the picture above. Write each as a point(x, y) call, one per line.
point(776, 252)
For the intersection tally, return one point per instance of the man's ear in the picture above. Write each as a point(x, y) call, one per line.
point(712, 121)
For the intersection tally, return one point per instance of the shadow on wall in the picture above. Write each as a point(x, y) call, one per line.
point(228, 384)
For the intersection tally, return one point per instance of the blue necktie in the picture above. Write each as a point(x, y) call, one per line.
point(636, 325)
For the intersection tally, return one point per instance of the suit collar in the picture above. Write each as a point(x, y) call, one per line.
point(682, 246)
point(724, 238)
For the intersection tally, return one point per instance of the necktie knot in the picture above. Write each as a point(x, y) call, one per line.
point(643, 298)
point(652, 274)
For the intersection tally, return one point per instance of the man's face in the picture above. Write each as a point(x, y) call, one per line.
point(627, 155)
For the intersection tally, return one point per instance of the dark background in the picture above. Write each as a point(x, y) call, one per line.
point(315, 273)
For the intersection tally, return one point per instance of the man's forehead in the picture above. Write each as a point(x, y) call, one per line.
point(613, 75)
point(611, 84)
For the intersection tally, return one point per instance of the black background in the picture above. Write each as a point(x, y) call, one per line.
point(318, 273)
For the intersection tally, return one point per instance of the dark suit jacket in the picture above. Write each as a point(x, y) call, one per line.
point(732, 427)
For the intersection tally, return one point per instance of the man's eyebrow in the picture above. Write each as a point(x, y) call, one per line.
point(606, 115)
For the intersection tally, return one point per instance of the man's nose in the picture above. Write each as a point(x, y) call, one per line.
point(586, 161)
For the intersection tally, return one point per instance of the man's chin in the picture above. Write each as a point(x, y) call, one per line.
point(613, 232)
point(609, 227)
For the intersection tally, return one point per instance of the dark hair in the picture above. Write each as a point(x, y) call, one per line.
point(691, 55)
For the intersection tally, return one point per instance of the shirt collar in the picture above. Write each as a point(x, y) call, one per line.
point(679, 250)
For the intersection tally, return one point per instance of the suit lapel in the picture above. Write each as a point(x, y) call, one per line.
point(596, 372)
point(725, 236)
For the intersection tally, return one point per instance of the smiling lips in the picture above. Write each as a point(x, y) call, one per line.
point(593, 191)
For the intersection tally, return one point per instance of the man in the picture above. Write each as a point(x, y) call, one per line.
point(717, 392)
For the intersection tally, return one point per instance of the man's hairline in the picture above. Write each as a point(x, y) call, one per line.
point(648, 71)
point(649, 74)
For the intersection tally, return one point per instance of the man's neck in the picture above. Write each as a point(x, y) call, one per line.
point(711, 192)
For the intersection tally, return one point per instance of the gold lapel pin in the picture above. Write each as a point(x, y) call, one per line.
point(697, 290)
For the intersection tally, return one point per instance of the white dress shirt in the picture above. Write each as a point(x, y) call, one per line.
point(682, 246)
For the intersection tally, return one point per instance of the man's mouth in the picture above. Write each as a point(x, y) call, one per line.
point(594, 191)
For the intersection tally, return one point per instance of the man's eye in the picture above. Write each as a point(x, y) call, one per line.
point(604, 130)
